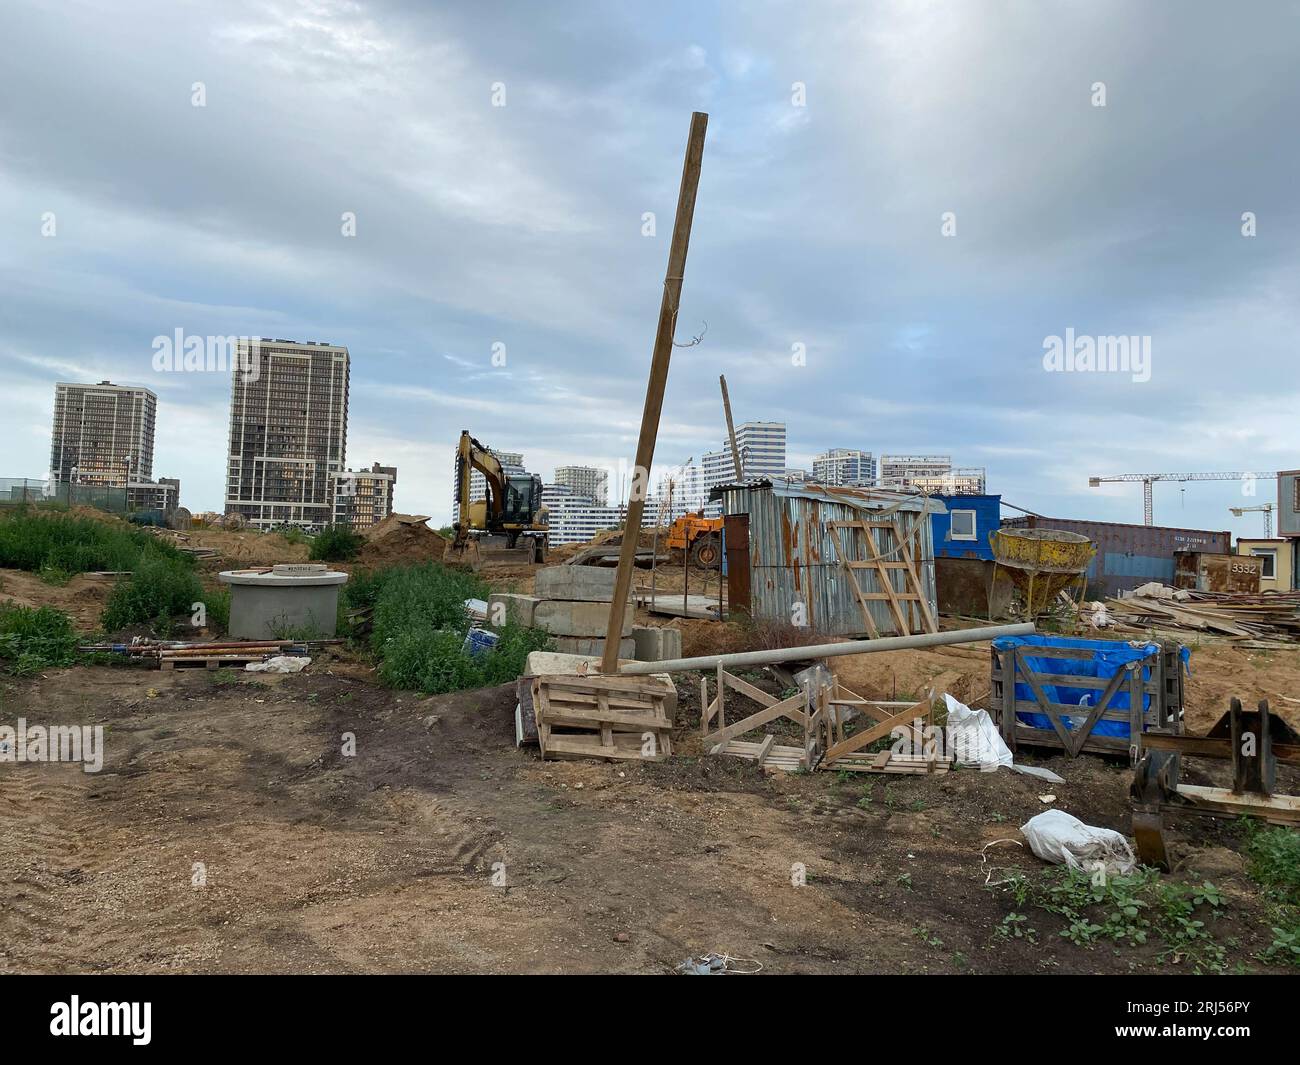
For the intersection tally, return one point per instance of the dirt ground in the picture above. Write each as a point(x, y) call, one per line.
point(228, 830)
point(384, 861)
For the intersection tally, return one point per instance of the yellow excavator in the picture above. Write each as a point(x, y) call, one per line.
point(509, 525)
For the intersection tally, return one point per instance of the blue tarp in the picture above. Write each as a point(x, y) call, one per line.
point(1109, 657)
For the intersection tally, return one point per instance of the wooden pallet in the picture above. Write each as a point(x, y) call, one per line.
point(771, 755)
point(208, 661)
point(887, 762)
point(599, 716)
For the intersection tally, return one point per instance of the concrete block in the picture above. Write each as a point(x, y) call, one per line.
point(503, 607)
point(656, 644)
point(592, 584)
point(567, 618)
point(559, 663)
point(577, 645)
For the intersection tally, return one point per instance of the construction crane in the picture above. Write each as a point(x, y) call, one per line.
point(1148, 479)
point(1264, 508)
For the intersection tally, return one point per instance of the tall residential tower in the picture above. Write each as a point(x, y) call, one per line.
point(103, 434)
point(288, 432)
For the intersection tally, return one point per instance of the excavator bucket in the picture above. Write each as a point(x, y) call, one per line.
point(466, 556)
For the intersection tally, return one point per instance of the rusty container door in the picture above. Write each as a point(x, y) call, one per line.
point(1241, 573)
point(735, 527)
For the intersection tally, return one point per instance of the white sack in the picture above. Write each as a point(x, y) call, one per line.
point(973, 737)
point(279, 664)
point(1057, 837)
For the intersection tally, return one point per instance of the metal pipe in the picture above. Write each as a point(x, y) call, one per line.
point(827, 650)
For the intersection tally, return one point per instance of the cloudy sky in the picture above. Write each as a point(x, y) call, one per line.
point(844, 139)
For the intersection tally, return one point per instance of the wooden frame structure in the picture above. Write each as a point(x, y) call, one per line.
point(844, 752)
point(1163, 714)
point(807, 709)
point(870, 559)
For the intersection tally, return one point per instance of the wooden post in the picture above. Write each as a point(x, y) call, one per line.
point(654, 395)
point(731, 429)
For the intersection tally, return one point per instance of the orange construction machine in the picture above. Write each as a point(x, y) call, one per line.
point(700, 536)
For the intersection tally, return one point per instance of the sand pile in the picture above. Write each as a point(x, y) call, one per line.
point(401, 538)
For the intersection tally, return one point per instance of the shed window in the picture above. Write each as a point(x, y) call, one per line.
point(963, 524)
point(1269, 555)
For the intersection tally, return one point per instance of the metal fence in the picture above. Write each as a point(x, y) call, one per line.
point(27, 491)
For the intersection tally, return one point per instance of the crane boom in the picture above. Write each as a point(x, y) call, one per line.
point(1147, 479)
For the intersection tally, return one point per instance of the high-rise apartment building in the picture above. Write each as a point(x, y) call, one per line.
point(103, 434)
point(762, 454)
point(591, 482)
point(363, 498)
point(902, 471)
point(845, 466)
point(288, 432)
point(958, 481)
point(575, 519)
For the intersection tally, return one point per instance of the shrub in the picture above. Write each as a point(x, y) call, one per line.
point(430, 662)
point(32, 639)
point(160, 588)
point(422, 597)
point(293, 534)
point(419, 626)
point(336, 543)
point(217, 605)
point(1274, 855)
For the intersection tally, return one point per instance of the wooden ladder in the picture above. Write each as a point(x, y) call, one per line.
point(900, 603)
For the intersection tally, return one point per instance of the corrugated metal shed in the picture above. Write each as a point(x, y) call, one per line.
point(793, 558)
point(1131, 555)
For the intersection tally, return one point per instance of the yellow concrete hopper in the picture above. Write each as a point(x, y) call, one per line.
point(1041, 562)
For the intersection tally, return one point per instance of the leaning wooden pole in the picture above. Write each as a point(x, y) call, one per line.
point(654, 393)
point(731, 429)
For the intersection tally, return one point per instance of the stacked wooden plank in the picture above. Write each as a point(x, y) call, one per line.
point(1237, 615)
point(604, 716)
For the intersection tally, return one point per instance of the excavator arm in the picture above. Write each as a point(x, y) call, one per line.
point(472, 455)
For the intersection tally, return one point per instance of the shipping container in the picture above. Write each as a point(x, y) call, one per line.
point(1130, 555)
point(1201, 571)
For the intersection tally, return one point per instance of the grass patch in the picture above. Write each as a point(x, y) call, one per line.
point(336, 543)
point(33, 639)
point(58, 547)
point(418, 627)
point(1274, 857)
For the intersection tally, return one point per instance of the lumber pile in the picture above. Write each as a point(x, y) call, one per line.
point(604, 716)
point(1236, 615)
